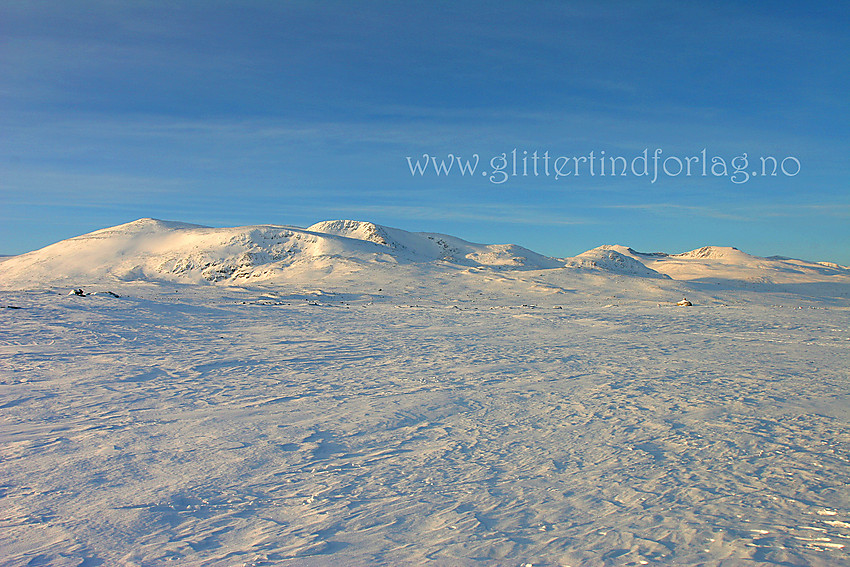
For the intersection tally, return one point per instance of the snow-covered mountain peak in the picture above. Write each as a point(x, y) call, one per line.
point(158, 250)
point(141, 226)
point(431, 246)
point(613, 258)
point(359, 230)
point(727, 253)
point(631, 252)
point(152, 249)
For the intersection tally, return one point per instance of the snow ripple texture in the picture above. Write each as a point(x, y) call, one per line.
point(351, 394)
point(220, 426)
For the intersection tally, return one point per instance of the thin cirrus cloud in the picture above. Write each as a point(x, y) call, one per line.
point(239, 110)
point(527, 215)
point(743, 212)
point(678, 210)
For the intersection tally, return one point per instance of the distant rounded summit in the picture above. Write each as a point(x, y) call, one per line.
point(150, 249)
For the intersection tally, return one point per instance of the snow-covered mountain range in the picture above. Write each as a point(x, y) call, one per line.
point(156, 250)
point(354, 394)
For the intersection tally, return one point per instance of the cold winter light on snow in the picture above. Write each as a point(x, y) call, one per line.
point(355, 394)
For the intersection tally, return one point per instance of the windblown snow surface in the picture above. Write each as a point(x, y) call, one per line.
point(351, 394)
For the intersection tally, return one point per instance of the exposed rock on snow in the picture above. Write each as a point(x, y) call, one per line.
point(359, 230)
point(156, 250)
point(428, 246)
point(481, 407)
point(149, 249)
point(716, 253)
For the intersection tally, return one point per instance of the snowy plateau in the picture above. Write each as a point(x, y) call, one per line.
point(351, 394)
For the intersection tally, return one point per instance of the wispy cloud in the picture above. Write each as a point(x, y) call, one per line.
point(742, 213)
point(675, 209)
point(529, 216)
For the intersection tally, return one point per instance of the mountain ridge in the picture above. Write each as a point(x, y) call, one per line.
point(162, 250)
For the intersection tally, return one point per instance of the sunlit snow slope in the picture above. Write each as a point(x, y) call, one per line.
point(156, 250)
point(352, 394)
point(724, 263)
point(149, 249)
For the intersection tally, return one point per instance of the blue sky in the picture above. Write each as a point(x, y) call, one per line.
point(232, 113)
